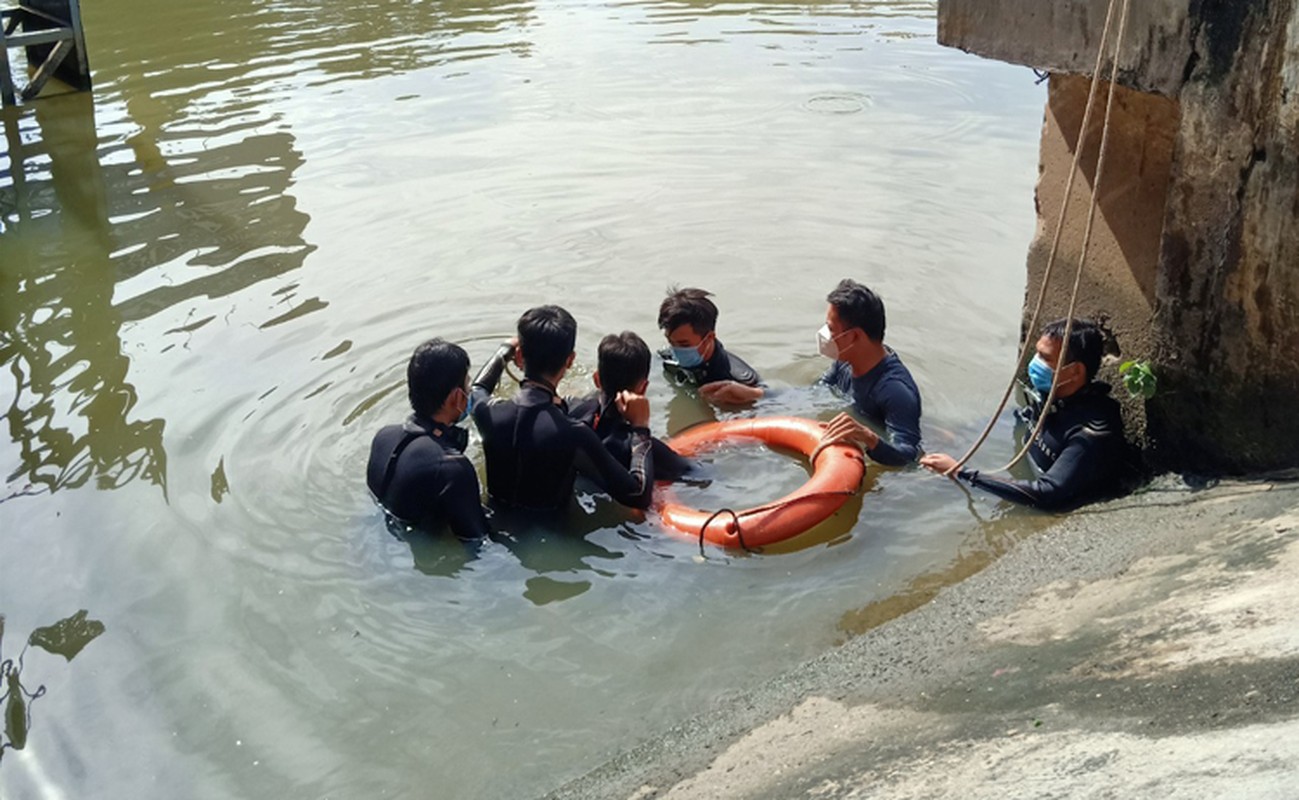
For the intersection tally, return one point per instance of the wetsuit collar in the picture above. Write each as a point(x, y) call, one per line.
point(535, 392)
point(453, 436)
point(1094, 389)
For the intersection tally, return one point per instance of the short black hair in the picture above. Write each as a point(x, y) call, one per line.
point(1086, 343)
point(436, 367)
point(688, 307)
point(859, 307)
point(624, 361)
point(547, 336)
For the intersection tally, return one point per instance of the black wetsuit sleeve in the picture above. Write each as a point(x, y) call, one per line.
point(632, 486)
point(901, 444)
point(460, 501)
point(669, 465)
point(490, 375)
point(1068, 479)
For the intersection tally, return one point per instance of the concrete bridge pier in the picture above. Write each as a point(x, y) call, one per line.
point(1194, 262)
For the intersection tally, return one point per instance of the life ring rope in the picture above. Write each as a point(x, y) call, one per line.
point(781, 503)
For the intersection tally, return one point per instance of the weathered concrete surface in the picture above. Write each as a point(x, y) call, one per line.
point(1227, 310)
point(1064, 35)
point(1107, 657)
point(1195, 264)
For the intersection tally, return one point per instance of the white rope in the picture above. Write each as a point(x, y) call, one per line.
point(1055, 243)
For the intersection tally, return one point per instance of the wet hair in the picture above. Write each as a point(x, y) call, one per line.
point(436, 367)
point(624, 361)
point(1086, 343)
point(688, 307)
point(547, 335)
point(858, 307)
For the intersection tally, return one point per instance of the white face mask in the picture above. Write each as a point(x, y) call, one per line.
point(825, 344)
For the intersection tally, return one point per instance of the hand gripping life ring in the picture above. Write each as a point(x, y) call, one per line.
point(837, 475)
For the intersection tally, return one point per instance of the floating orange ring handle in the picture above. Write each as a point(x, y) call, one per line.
point(837, 475)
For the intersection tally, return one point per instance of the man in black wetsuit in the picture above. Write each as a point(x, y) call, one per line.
point(417, 470)
point(869, 372)
point(623, 365)
point(1080, 453)
point(534, 449)
point(689, 321)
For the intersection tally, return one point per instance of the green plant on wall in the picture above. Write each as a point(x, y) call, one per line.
point(1139, 379)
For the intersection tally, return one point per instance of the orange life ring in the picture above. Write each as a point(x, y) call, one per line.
point(837, 475)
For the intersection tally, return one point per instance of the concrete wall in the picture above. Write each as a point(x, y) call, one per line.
point(1228, 288)
point(1195, 258)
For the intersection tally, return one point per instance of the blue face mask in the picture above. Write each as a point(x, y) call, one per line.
point(1040, 375)
point(688, 357)
point(469, 406)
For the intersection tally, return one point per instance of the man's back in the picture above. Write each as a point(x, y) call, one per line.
point(535, 450)
point(422, 478)
point(531, 449)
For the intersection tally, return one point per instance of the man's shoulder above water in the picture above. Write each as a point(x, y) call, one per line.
point(724, 366)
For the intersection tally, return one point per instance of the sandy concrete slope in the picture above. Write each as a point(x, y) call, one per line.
point(1145, 648)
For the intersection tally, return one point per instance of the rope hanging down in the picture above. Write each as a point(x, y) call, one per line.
point(1055, 242)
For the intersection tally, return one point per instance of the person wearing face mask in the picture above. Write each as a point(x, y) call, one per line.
point(688, 320)
point(418, 471)
point(869, 372)
point(1080, 454)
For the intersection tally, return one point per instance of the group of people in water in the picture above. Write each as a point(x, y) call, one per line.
point(537, 442)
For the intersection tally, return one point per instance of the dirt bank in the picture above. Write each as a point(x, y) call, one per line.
point(1144, 647)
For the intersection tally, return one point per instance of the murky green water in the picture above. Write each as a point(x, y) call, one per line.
point(212, 272)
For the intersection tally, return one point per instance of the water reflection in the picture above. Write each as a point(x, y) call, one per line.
point(278, 44)
point(186, 200)
point(66, 638)
point(95, 241)
point(59, 333)
point(559, 548)
point(438, 553)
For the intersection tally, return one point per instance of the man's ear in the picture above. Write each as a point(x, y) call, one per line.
point(518, 356)
point(571, 356)
point(595, 376)
point(641, 387)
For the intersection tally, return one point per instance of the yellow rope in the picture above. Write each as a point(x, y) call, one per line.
point(1055, 243)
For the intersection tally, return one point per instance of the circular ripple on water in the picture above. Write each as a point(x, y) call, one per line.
point(838, 103)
